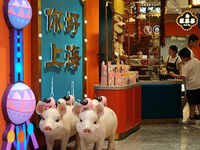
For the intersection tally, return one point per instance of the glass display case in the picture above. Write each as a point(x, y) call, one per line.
point(136, 38)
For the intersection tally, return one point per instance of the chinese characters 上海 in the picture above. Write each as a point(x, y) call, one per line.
point(72, 56)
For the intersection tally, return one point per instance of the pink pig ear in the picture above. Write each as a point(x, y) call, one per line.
point(99, 110)
point(76, 109)
point(62, 109)
point(40, 108)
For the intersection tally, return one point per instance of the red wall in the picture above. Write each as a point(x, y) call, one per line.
point(172, 29)
point(92, 47)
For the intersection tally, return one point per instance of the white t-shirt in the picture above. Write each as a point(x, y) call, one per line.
point(172, 60)
point(191, 72)
point(192, 54)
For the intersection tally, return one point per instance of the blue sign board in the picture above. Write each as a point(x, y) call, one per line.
point(62, 48)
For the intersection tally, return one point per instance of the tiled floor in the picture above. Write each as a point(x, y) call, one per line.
point(160, 137)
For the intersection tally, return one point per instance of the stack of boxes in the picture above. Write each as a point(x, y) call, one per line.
point(118, 75)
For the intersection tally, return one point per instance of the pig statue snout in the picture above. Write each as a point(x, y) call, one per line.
point(87, 131)
point(47, 129)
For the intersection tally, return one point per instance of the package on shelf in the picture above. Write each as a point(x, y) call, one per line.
point(117, 75)
point(132, 77)
point(111, 79)
point(119, 79)
point(111, 68)
point(144, 61)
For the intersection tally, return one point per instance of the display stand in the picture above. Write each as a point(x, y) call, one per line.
point(125, 101)
point(161, 102)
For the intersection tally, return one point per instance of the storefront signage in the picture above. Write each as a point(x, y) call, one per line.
point(194, 3)
point(187, 20)
point(148, 29)
point(53, 21)
point(62, 48)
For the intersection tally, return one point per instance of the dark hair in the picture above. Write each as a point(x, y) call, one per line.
point(174, 48)
point(184, 52)
point(193, 37)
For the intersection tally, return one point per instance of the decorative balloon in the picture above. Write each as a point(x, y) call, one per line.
point(17, 13)
point(18, 103)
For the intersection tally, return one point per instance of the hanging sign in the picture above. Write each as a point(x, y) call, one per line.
point(187, 20)
point(194, 3)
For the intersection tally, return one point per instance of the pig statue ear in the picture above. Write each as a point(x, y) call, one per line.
point(99, 110)
point(40, 108)
point(76, 109)
point(62, 109)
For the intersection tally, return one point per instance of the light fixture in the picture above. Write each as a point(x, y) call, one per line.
point(131, 20)
point(140, 1)
point(40, 57)
point(154, 12)
point(120, 23)
point(141, 16)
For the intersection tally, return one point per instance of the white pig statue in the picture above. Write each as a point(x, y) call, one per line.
point(95, 126)
point(57, 124)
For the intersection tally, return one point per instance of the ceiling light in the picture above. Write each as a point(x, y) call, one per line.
point(141, 17)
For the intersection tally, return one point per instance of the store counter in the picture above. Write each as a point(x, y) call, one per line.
point(125, 101)
point(161, 101)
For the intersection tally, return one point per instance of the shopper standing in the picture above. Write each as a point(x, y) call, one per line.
point(191, 72)
point(192, 43)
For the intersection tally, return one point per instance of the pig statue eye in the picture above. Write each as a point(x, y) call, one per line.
point(81, 120)
point(95, 122)
point(42, 118)
point(57, 120)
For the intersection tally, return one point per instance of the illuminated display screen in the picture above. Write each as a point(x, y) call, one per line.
point(143, 10)
point(149, 8)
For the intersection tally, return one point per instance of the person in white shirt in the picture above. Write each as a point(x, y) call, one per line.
point(192, 43)
point(173, 62)
point(119, 52)
point(190, 72)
